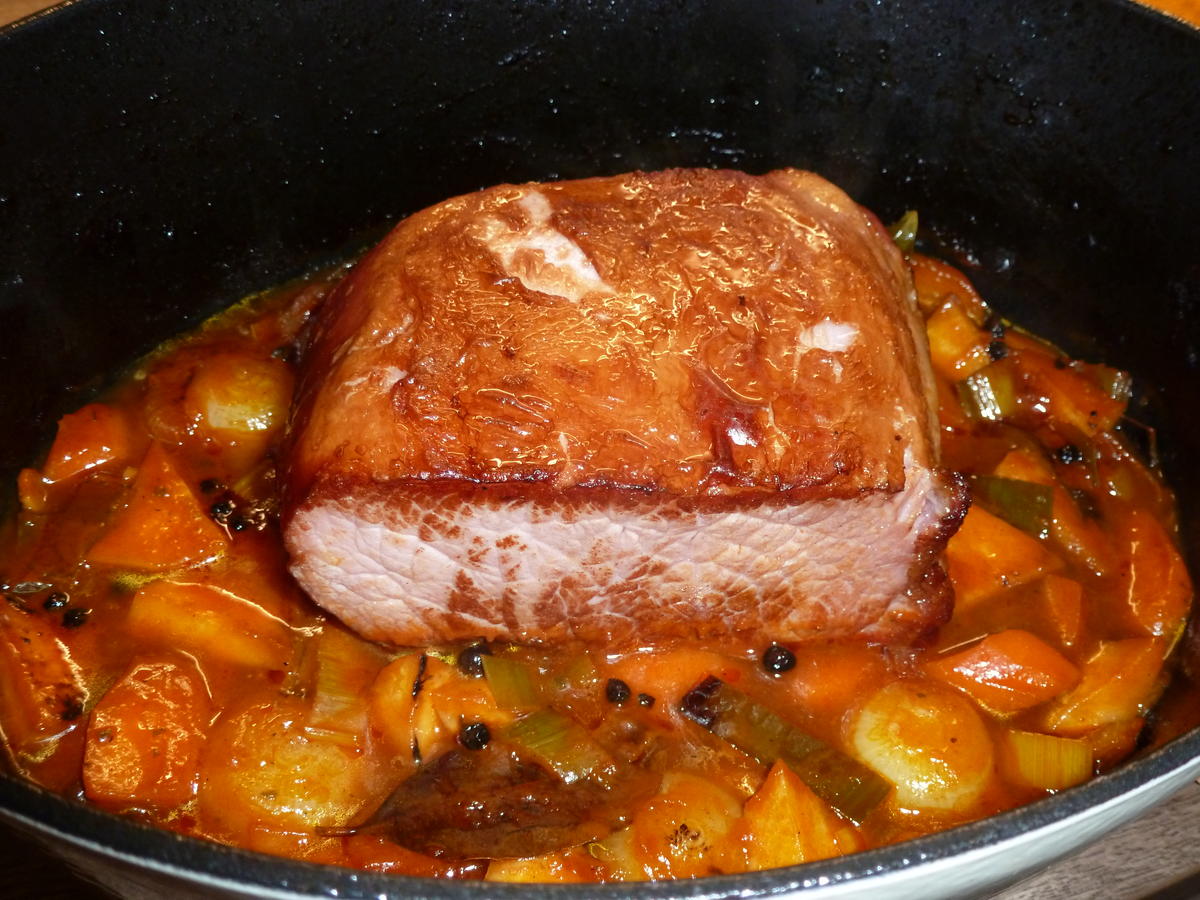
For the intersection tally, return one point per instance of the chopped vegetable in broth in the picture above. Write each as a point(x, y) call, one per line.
point(157, 661)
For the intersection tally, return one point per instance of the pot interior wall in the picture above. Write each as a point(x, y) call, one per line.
point(158, 161)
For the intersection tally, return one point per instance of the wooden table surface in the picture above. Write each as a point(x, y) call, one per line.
point(1154, 858)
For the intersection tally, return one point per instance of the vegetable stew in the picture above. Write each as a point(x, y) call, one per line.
point(157, 661)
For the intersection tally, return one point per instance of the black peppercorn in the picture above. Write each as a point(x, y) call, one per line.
point(645, 700)
point(617, 691)
point(1068, 454)
point(475, 736)
point(221, 511)
point(778, 659)
point(470, 660)
point(73, 618)
point(211, 485)
point(56, 600)
point(997, 350)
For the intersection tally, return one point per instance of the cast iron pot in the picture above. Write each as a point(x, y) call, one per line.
point(160, 160)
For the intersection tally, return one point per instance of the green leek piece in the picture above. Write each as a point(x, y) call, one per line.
point(1114, 382)
point(852, 789)
point(904, 231)
point(1026, 505)
point(511, 683)
point(561, 744)
point(988, 394)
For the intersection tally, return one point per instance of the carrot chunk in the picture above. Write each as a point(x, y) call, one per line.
point(957, 346)
point(1007, 672)
point(828, 678)
point(1119, 683)
point(162, 527)
point(1156, 586)
point(1063, 602)
point(145, 737)
point(1079, 537)
point(988, 555)
point(785, 823)
point(96, 435)
point(935, 280)
point(1071, 398)
point(210, 622)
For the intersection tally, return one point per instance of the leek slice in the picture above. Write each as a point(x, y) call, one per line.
point(988, 394)
point(511, 683)
point(1045, 761)
point(560, 744)
point(852, 789)
point(346, 667)
point(904, 231)
point(1024, 504)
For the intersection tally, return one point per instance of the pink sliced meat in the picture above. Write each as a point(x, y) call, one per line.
point(671, 405)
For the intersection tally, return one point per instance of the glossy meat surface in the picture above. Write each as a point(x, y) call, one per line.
point(675, 404)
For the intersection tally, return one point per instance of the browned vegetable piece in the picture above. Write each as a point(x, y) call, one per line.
point(163, 527)
point(488, 803)
point(847, 785)
point(145, 737)
point(40, 692)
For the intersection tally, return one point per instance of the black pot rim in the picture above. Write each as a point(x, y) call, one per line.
point(143, 845)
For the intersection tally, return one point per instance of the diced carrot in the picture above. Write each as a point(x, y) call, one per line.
point(828, 678)
point(988, 555)
point(145, 737)
point(935, 280)
point(1007, 672)
point(971, 452)
point(1079, 537)
point(1063, 600)
point(785, 823)
point(97, 435)
point(957, 346)
point(1070, 398)
point(209, 622)
point(1119, 683)
point(41, 696)
point(1156, 587)
point(1023, 464)
point(162, 527)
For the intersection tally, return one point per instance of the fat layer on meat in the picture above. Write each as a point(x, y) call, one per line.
point(679, 404)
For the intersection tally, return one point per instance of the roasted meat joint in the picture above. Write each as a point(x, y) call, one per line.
point(672, 405)
point(649, 526)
